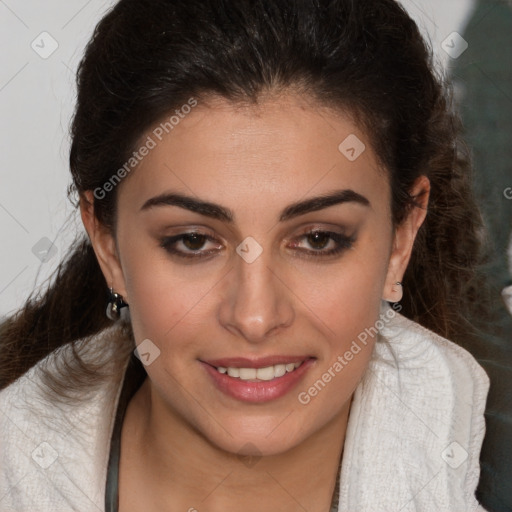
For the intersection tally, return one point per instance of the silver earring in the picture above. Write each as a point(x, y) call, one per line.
point(115, 306)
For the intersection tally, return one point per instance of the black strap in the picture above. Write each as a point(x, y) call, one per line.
point(133, 379)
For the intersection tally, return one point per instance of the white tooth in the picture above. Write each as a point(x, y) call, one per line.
point(279, 370)
point(234, 372)
point(247, 373)
point(266, 373)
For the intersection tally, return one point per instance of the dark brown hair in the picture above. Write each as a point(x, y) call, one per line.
point(148, 57)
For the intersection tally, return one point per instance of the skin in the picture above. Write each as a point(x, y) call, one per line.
point(182, 438)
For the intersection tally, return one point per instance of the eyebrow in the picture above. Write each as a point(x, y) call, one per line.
point(216, 211)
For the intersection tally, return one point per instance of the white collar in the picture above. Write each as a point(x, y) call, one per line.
point(416, 425)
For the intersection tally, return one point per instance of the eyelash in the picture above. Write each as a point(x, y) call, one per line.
point(343, 243)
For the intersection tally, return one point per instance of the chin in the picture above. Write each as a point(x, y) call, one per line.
point(255, 441)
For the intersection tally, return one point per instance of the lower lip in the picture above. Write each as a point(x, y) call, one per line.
point(258, 392)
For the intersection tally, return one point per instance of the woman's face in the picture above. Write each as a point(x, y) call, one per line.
point(221, 267)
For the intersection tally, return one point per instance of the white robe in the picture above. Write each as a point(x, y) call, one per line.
point(413, 438)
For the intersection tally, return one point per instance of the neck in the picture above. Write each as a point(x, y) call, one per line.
point(168, 458)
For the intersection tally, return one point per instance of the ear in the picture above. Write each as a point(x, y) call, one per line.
point(403, 240)
point(103, 243)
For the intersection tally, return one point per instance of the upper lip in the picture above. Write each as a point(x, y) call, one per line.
point(262, 362)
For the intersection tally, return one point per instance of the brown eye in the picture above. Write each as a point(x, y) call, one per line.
point(318, 239)
point(323, 243)
point(194, 241)
point(191, 245)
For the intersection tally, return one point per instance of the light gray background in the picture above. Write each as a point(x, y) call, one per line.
point(36, 101)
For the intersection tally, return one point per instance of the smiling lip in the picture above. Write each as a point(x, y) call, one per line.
point(242, 362)
point(257, 391)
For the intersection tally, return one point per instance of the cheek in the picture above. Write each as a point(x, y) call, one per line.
point(169, 303)
point(164, 302)
point(155, 292)
point(346, 313)
point(347, 295)
point(346, 301)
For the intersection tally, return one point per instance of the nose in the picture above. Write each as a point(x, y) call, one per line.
point(257, 302)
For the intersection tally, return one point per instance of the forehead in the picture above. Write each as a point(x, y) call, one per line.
point(255, 156)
